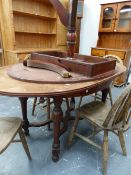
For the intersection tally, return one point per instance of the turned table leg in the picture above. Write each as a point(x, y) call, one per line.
point(23, 102)
point(104, 94)
point(57, 119)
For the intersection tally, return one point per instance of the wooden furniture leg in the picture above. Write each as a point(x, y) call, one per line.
point(24, 143)
point(105, 152)
point(80, 101)
point(122, 142)
point(110, 96)
point(104, 94)
point(57, 119)
point(48, 111)
point(34, 105)
point(73, 130)
point(23, 102)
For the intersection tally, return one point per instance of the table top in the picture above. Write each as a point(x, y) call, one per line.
point(12, 87)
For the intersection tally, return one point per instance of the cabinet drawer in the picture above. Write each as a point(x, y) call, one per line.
point(119, 54)
point(98, 52)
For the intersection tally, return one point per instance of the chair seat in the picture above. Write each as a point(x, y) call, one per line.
point(95, 112)
point(8, 129)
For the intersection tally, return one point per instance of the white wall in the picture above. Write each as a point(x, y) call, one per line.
point(90, 24)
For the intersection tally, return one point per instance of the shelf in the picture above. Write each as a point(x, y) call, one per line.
point(25, 50)
point(31, 32)
point(45, 2)
point(34, 15)
point(107, 19)
point(125, 18)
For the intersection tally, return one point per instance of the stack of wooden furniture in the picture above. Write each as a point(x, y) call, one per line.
point(115, 33)
point(30, 26)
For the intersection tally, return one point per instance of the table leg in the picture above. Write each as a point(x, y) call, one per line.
point(23, 102)
point(104, 94)
point(57, 119)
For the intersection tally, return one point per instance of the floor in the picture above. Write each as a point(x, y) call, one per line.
point(80, 159)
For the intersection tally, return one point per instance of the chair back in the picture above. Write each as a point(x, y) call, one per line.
point(113, 57)
point(120, 112)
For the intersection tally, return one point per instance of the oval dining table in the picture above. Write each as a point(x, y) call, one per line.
point(23, 90)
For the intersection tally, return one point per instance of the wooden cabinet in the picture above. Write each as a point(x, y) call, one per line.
point(107, 20)
point(30, 26)
point(116, 17)
point(115, 33)
point(123, 17)
point(123, 54)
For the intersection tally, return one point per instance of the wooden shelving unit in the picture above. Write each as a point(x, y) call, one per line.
point(115, 34)
point(30, 26)
point(33, 15)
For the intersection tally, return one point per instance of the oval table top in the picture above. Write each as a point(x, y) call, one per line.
point(12, 87)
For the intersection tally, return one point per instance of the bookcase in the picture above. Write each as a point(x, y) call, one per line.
point(30, 26)
point(115, 34)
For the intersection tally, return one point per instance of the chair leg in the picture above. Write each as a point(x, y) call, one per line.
point(34, 105)
point(24, 143)
point(67, 104)
point(95, 97)
point(122, 142)
point(105, 152)
point(73, 129)
point(80, 101)
point(48, 111)
point(110, 96)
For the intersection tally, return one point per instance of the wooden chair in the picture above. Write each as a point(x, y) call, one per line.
point(102, 117)
point(97, 95)
point(9, 127)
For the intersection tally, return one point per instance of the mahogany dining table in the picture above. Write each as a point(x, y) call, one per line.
point(24, 90)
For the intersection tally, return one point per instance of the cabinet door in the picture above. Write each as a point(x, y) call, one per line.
point(107, 20)
point(123, 18)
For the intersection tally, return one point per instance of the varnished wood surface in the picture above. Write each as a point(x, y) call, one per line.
point(39, 75)
point(12, 87)
point(8, 129)
point(26, 29)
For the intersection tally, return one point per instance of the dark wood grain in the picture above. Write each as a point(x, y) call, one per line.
point(36, 75)
point(62, 12)
point(81, 64)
